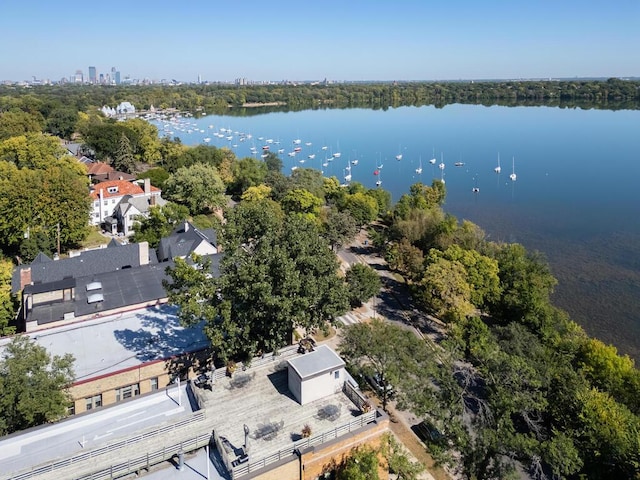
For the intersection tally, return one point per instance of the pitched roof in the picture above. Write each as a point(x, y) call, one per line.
point(113, 175)
point(142, 204)
point(90, 262)
point(184, 240)
point(123, 188)
point(98, 168)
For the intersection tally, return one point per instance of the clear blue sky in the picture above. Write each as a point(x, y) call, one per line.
point(307, 40)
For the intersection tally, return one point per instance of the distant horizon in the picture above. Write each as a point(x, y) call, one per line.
point(340, 41)
point(259, 82)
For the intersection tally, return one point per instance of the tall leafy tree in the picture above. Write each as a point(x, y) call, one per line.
point(198, 187)
point(123, 160)
point(33, 385)
point(339, 228)
point(364, 282)
point(16, 122)
point(395, 354)
point(269, 285)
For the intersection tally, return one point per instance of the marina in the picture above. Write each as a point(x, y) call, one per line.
point(546, 199)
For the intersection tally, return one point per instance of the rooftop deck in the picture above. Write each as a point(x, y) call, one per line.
point(260, 399)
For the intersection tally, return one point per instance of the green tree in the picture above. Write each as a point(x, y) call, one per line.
point(361, 464)
point(399, 463)
point(525, 280)
point(395, 354)
point(273, 162)
point(62, 121)
point(301, 201)
point(256, 194)
point(310, 180)
point(32, 384)
point(481, 273)
point(160, 223)
point(363, 208)
point(16, 123)
point(339, 228)
point(8, 304)
point(444, 290)
point(268, 286)
point(406, 259)
point(33, 201)
point(123, 160)
point(364, 282)
point(158, 176)
point(198, 187)
point(39, 152)
point(247, 172)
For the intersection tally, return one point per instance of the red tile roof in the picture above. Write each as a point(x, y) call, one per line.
point(124, 188)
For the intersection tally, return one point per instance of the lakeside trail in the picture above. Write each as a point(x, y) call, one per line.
point(392, 304)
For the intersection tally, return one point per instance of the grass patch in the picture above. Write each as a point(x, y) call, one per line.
point(94, 239)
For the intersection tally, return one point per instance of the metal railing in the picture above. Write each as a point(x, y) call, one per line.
point(195, 417)
point(251, 467)
point(261, 361)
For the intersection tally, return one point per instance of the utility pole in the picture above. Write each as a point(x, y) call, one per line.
point(58, 229)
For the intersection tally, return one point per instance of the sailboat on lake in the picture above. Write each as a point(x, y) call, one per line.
point(498, 169)
point(513, 170)
point(419, 169)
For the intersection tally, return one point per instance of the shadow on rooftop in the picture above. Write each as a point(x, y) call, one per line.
point(160, 336)
point(280, 380)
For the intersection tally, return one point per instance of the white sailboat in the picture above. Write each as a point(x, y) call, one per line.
point(419, 169)
point(441, 167)
point(337, 154)
point(399, 156)
point(379, 181)
point(513, 170)
point(498, 169)
point(347, 177)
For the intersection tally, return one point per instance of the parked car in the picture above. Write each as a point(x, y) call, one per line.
point(428, 432)
point(380, 385)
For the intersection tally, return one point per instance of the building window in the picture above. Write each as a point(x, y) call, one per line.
point(93, 402)
point(96, 203)
point(71, 409)
point(106, 202)
point(336, 374)
point(127, 392)
point(113, 201)
point(154, 383)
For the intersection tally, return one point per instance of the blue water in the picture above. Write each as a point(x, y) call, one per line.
point(575, 198)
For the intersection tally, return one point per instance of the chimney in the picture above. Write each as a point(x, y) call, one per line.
point(25, 277)
point(143, 253)
point(147, 186)
point(186, 226)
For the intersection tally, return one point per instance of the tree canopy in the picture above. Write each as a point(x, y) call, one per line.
point(269, 284)
point(32, 384)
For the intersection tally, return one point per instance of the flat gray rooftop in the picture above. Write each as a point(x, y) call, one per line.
point(322, 360)
point(85, 432)
point(117, 342)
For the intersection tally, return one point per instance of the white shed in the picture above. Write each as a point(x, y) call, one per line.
point(316, 374)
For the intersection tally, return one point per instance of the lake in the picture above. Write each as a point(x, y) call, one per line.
point(575, 196)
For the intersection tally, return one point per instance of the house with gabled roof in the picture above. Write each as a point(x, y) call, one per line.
point(185, 240)
point(108, 195)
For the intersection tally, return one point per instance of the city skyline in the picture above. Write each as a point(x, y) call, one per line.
point(341, 41)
